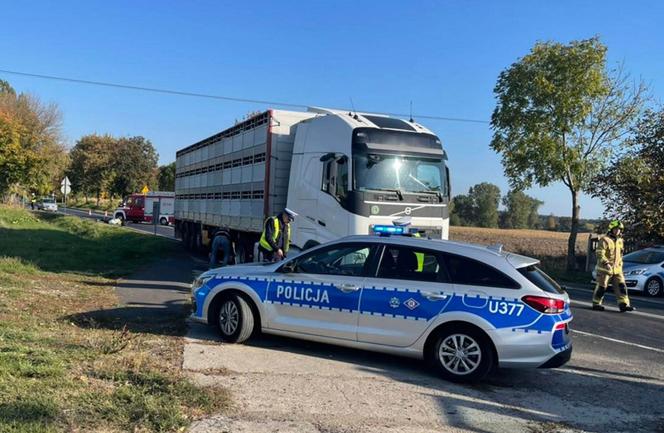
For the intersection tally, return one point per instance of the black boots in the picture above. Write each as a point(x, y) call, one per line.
point(625, 307)
point(597, 307)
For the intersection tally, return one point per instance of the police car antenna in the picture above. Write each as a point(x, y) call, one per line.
point(411, 112)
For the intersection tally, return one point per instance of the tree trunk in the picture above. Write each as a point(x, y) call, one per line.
point(571, 243)
point(98, 197)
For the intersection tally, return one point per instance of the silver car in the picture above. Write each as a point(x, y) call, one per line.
point(464, 307)
point(47, 203)
point(644, 271)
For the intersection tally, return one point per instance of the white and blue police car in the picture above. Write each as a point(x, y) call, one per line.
point(466, 308)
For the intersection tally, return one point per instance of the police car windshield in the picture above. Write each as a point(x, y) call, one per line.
point(536, 276)
point(645, 257)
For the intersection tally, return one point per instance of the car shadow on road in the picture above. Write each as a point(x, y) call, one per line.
point(544, 399)
point(140, 317)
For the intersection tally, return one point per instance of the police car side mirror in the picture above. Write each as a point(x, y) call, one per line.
point(288, 268)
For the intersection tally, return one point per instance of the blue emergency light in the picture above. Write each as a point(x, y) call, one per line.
point(388, 230)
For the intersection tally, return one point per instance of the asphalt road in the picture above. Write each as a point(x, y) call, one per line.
point(613, 383)
point(165, 231)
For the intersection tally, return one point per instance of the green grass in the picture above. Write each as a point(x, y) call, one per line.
point(57, 243)
point(60, 369)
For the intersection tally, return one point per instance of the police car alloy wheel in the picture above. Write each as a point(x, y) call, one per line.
point(235, 319)
point(462, 355)
point(653, 287)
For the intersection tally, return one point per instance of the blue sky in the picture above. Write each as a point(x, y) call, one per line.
point(444, 56)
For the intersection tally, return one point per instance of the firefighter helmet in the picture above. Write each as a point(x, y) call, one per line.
point(616, 224)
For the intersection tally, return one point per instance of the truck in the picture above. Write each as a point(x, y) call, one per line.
point(138, 207)
point(342, 172)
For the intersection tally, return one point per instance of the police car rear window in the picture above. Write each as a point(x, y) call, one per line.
point(470, 272)
point(539, 278)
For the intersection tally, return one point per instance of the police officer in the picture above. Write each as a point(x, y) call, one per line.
point(33, 200)
point(609, 268)
point(406, 223)
point(276, 236)
point(221, 240)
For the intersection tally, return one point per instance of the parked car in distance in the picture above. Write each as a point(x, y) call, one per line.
point(644, 271)
point(47, 203)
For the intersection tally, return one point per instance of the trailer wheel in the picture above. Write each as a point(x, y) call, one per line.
point(163, 221)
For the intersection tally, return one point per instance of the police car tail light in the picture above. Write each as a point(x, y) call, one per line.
point(545, 305)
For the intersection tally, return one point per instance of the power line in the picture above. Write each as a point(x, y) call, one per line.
point(219, 97)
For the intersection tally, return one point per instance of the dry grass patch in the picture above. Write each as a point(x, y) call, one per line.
point(70, 362)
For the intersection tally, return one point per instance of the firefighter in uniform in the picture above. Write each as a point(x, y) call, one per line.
point(609, 268)
point(276, 236)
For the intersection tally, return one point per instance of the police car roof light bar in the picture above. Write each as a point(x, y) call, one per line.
point(388, 230)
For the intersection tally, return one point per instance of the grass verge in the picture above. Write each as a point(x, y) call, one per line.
point(67, 363)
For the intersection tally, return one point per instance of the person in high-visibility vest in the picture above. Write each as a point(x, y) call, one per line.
point(406, 222)
point(609, 268)
point(276, 236)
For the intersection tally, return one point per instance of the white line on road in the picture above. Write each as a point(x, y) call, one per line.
point(614, 340)
point(634, 313)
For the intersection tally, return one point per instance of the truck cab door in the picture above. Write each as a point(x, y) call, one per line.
point(332, 219)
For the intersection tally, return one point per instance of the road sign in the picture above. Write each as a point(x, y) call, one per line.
point(145, 189)
point(65, 182)
point(65, 188)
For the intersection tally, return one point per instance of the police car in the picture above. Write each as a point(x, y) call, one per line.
point(464, 307)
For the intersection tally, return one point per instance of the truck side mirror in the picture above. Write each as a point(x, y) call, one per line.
point(327, 157)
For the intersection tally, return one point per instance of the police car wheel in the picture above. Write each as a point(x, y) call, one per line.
point(653, 287)
point(235, 319)
point(462, 355)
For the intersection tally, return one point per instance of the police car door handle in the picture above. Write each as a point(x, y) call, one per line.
point(435, 296)
point(348, 288)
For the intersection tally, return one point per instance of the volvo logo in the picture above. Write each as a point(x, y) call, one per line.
point(407, 211)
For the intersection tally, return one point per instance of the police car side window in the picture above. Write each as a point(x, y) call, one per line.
point(347, 260)
point(463, 270)
point(406, 263)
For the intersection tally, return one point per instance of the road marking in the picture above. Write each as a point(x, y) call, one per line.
point(614, 340)
point(633, 313)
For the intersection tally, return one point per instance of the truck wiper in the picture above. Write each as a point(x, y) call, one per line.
point(431, 191)
point(398, 192)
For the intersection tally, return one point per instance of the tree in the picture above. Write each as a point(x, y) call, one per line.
point(91, 168)
point(42, 156)
point(479, 208)
point(559, 116)
point(521, 210)
point(632, 189)
point(167, 177)
point(134, 165)
point(485, 198)
point(462, 213)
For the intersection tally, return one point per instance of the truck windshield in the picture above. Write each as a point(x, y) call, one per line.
point(394, 172)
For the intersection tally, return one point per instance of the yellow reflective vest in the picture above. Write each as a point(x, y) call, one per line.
point(610, 255)
point(420, 256)
point(276, 229)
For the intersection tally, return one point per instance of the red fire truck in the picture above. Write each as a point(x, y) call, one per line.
point(138, 207)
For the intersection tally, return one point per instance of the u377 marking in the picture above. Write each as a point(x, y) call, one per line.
point(505, 308)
